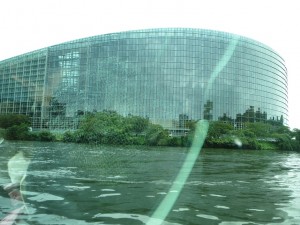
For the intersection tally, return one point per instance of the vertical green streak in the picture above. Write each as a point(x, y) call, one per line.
point(222, 63)
point(168, 202)
point(166, 205)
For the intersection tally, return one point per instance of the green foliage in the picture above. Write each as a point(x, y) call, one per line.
point(156, 135)
point(17, 132)
point(108, 127)
point(2, 133)
point(46, 136)
point(283, 141)
point(17, 128)
point(248, 133)
point(175, 141)
point(100, 128)
point(265, 145)
point(225, 142)
point(58, 136)
point(136, 124)
point(9, 120)
point(68, 136)
point(281, 129)
point(136, 140)
point(256, 135)
point(22, 132)
point(250, 143)
point(295, 134)
point(257, 129)
point(217, 129)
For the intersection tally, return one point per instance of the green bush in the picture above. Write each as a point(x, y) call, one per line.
point(17, 132)
point(251, 143)
point(136, 140)
point(9, 120)
point(174, 141)
point(68, 136)
point(108, 127)
point(2, 133)
point(218, 129)
point(284, 142)
point(264, 145)
point(155, 135)
point(46, 136)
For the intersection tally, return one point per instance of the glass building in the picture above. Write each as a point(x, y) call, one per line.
point(170, 76)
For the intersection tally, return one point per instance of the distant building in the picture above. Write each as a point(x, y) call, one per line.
point(167, 75)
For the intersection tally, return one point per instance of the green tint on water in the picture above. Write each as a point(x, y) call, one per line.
point(82, 184)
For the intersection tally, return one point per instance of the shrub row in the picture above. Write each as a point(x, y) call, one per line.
point(108, 127)
point(21, 132)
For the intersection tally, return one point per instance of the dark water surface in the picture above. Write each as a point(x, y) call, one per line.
point(82, 184)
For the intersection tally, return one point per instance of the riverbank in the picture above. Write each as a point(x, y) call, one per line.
point(110, 128)
point(229, 142)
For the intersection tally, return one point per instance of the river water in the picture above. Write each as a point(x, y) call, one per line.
point(83, 184)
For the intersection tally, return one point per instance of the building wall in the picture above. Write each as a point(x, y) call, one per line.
point(22, 81)
point(163, 74)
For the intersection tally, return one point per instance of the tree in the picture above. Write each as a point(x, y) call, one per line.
point(259, 129)
point(156, 135)
point(295, 134)
point(284, 142)
point(17, 132)
point(100, 127)
point(136, 124)
point(108, 127)
point(218, 129)
point(9, 120)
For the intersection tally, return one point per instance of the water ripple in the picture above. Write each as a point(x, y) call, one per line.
point(210, 217)
point(144, 219)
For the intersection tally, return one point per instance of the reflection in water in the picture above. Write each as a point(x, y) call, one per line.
point(162, 211)
point(81, 184)
point(16, 167)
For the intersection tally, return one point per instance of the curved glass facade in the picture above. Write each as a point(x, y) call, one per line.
point(168, 75)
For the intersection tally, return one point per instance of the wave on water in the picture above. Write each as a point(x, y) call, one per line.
point(144, 219)
point(210, 217)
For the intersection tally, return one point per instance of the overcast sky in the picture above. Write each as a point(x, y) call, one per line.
point(27, 25)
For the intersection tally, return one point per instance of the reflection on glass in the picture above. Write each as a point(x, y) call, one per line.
point(156, 74)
